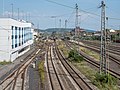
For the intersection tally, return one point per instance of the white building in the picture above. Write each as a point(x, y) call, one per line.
point(15, 38)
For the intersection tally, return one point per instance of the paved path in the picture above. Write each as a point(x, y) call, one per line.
point(7, 69)
point(34, 79)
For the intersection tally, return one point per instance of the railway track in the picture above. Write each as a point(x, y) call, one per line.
point(114, 60)
point(53, 76)
point(96, 49)
point(58, 79)
point(111, 48)
point(62, 75)
point(82, 84)
point(66, 80)
point(95, 63)
point(11, 81)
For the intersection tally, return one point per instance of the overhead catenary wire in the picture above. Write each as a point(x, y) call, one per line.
point(59, 4)
point(79, 9)
point(68, 6)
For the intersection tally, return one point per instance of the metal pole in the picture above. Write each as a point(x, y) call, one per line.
point(65, 24)
point(108, 44)
point(60, 26)
point(29, 17)
point(76, 20)
point(18, 13)
point(12, 9)
point(103, 40)
point(3, 7)
point(60, 23)
point(119, 32)
point(26, 16)
point(23, 15)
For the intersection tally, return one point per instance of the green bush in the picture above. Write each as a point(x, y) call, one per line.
point(74, 56)
point(105, 80)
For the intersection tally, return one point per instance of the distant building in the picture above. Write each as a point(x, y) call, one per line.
point(78, 31)
point(36, 34)
point(15, 38)
point(97, 33)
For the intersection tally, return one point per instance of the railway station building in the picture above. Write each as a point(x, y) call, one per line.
point(15, 38)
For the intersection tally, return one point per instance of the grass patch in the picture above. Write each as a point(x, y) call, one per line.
point(61, 46)
point(109, 83)
point(41, 71)
point(91, 53)
point(5, 62)
point(85, 69)
point(101, 81)
point(87, 51)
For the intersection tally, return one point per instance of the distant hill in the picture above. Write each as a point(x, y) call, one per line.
point(59, 29)
point(50, 30)
point(89, 30)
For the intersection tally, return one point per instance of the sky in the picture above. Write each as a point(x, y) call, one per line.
point(48, 13)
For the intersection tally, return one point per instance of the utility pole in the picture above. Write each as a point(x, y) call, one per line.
point(18, 14)
point(108, 41)
point(60, 26)
point(29, 17)
point(12, 9)
point(26, 16)
point(60, 23)
point(119, 32)
point(38, 25)
point(3, 8)
point(76, 20)
point(55, 21)
point(103, 63)
point(22, 15)
point(65, 24)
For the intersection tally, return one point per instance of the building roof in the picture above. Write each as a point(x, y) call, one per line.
point(10, 21)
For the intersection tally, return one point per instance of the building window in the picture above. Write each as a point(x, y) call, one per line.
point(19, 36)
point(12, 27)
point(15, 36)
point(15, 28)
point(12, 36)
point(15, 45)
point(12, 46)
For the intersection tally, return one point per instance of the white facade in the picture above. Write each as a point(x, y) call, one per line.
point(15, 38)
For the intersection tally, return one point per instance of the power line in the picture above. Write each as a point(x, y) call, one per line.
point(114, 18)
point(60, 4)
point(79, 9)
point(70, 16)
point(62, 15)
point(70, 7)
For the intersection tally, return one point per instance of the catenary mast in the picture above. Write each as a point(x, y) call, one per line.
point(103, 61)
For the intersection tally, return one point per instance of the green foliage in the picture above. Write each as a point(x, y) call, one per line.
point(74, 56)
point(105, 80)
point(4, 63)
point(41, 71)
